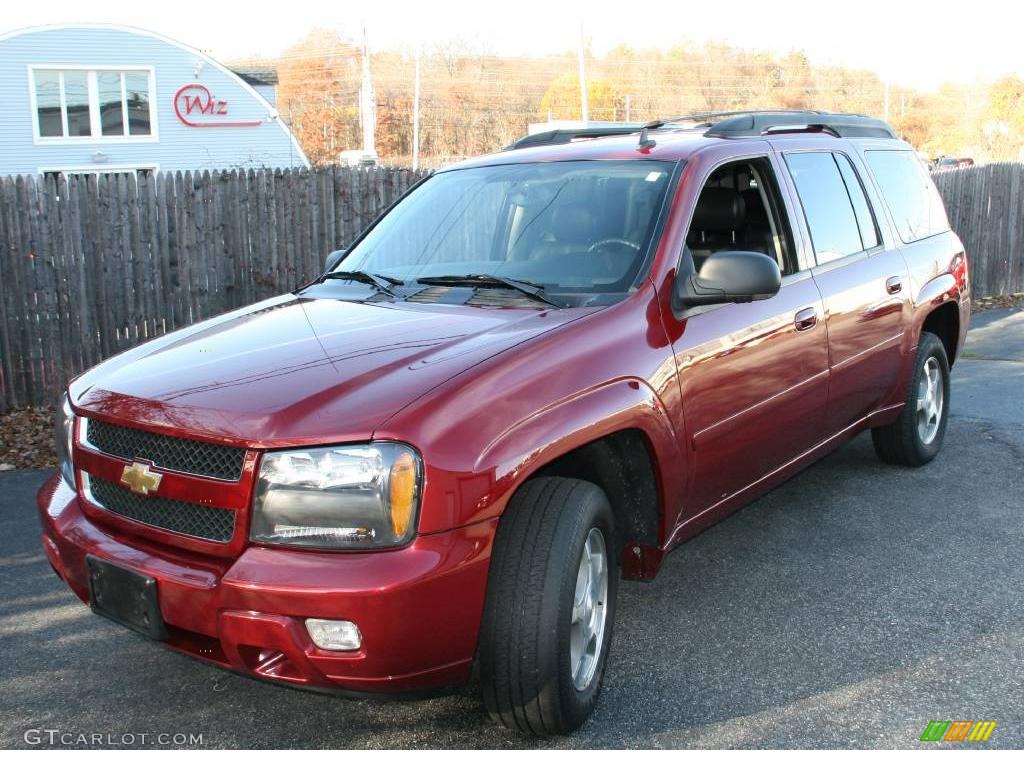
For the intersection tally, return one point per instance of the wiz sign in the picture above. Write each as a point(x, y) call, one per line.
point(196, 107)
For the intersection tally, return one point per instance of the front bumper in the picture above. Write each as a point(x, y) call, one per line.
point(418, 608)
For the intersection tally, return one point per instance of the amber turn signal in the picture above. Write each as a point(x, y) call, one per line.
point(402, 493)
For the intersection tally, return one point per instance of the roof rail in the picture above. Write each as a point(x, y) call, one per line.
point(709, 117)
point(747, 124)
point(565, 135)
point(729, 125)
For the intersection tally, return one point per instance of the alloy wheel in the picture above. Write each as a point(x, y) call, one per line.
point(589, 610)
point(930, 396)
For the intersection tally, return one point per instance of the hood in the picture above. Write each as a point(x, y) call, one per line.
point(301, 370)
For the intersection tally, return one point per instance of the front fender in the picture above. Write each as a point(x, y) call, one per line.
point(526, 446)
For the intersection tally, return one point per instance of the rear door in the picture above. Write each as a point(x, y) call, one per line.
point(863, 282)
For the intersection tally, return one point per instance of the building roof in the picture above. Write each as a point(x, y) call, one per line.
point(257, 74)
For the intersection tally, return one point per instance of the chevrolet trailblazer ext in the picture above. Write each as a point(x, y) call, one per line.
point(540, 370)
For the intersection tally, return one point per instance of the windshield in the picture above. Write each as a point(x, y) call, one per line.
point(575, 228)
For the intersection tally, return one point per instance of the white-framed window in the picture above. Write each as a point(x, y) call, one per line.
point(145, 168)
point(75, 103)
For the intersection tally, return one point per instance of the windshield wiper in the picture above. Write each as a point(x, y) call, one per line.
point(533, 290)
point(383, 283)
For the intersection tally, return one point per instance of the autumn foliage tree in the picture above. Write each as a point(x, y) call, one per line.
point(318, 94)
point(472, 101)
point(563, 99)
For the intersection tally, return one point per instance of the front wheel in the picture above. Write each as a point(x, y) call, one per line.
point(550, 605)
point(916, 437)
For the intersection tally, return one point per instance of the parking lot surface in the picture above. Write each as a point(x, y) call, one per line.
point(847, 608)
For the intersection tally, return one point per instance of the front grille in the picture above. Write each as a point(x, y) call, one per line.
point(194, 457)
point(173, 515)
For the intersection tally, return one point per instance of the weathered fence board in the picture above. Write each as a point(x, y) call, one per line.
point(91, 265)
point(986, 208)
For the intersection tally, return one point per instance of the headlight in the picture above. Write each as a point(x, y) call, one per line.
point(345, 497)
point(64, 435)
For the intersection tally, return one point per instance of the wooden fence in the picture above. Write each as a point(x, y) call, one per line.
point(986, 208)
point(92, 265)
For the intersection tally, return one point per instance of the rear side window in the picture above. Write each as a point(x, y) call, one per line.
point(831, 220)
point(909, 192)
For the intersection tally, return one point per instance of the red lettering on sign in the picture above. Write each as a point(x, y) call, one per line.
point(194, 101)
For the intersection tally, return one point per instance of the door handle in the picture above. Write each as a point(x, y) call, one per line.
point(806, 319)
point(894, 285)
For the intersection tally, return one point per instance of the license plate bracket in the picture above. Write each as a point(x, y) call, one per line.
point(125, 596)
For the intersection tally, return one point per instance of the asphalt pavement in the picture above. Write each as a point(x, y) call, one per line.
point(847, 608)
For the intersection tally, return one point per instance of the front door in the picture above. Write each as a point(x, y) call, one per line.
point(754, 376)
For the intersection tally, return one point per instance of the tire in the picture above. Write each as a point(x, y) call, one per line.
point(916, 437)
point(527, 637)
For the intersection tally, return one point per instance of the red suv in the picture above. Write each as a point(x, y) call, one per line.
point(538, 371)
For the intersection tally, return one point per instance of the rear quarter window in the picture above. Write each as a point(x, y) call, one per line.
point(915, 204)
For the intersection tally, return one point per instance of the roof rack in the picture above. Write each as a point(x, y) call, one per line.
point(566, 135)
point(729, 125)
point(747, 124)
point(708, 118)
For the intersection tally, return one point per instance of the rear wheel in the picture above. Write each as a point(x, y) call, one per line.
point(916, 437)
point(551, 599)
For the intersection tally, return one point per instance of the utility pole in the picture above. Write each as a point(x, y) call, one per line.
point(367, 104)
point(416, 115)
point(627, 107)
point(887, 99)
point(584, 111)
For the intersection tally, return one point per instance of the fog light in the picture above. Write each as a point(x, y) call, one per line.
point(334, 635)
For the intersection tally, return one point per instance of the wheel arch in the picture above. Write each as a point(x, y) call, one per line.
point(937, 310)
point(618, 437)
point(620, 464)
point(944, 321)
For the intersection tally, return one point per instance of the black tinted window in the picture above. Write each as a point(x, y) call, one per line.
point(865, 220)
point(908, 191)
point(826, 204)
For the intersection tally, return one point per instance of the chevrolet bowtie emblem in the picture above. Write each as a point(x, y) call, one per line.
point(140, 478)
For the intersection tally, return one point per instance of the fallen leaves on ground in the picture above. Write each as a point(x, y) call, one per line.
point(26, 439)
point(998, 302)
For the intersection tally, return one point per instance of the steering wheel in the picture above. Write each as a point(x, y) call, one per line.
point(613, 241)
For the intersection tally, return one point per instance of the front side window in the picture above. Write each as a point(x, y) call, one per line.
point(915, 204)
point(739, 208)
point(823, 193)
point(577, 228)
point(87, 103)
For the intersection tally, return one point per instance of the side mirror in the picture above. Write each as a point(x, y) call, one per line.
point(333, 259)
point(728, 277)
